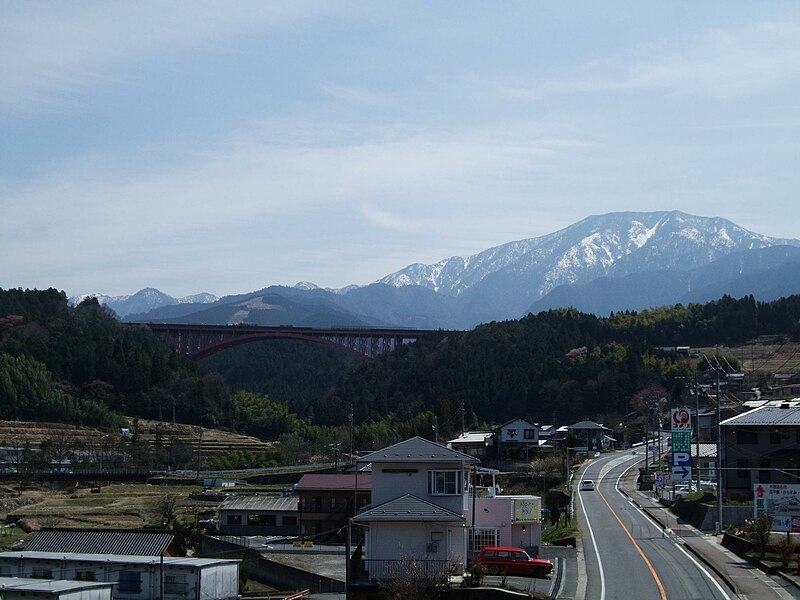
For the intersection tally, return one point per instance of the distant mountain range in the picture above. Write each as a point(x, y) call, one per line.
point(605, 263)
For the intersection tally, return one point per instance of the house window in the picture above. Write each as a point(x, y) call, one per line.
point(765, 475)
point(530, 434)
point(742, 469)
point(333, 503)
point(130, 582)
point(746, 436)
point(485, 537)
point(774, 437)
point(175, 584)
point(234, 519)
point(42, 573)
point(444, 483)
point(260, 520)
point(85, 576)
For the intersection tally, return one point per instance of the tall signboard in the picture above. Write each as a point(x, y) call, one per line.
point(681, 420)
point(780, 500)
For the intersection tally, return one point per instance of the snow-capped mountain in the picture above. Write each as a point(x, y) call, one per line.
point(143, 301)
point(616, 261)
point(615, 244)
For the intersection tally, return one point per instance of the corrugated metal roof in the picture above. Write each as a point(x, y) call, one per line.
point(276, 503)
point(144, 542)
point(418, 449)
point(119, 559)
point(767, 415)
point(50, 586)
point(330, 482)
point(408, 508)
point(472, 437)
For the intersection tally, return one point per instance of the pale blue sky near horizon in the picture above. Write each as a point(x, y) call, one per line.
point(224, 147)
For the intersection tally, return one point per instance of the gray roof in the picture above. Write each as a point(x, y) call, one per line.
point(418, 449)
point(173, 561)
point(49, 586)
point(767, 415)
point(275, 503)
point(587, 425)
point(144, 542)
point(408, 508)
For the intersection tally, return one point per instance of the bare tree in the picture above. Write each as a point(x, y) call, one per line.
point(166, 509)
point(757, 531)
point(414, 579)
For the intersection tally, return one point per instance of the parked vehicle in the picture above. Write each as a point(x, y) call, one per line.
point(513, 561)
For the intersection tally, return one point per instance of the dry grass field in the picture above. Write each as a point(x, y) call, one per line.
point(763, 357)
point(117, 505)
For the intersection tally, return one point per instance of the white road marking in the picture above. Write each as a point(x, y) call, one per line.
point(649, 520)
point(594, 545)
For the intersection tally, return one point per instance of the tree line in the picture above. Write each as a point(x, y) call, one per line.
point(80, 365)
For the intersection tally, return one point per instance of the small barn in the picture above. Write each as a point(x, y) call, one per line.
point(259, 515)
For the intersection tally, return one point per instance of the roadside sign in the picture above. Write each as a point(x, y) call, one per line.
point(682, 441)
point(782, 501)
point(681, 419)
point(681, 466)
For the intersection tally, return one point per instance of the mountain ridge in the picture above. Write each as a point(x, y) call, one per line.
point(644, 259)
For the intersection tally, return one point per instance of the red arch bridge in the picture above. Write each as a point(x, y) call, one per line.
point(199, 341)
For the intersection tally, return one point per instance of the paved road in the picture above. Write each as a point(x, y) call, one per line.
point(627, 555)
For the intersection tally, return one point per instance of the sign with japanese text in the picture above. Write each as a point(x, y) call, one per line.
point(682, 441)
point(681, 419)
point(782, 501)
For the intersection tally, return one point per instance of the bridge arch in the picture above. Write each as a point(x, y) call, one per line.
point(200, 341)
point(258, 337)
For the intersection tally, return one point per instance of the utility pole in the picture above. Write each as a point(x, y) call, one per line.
point(660, 453)
point(719, 447)
point(351, 435)
point(697, 426)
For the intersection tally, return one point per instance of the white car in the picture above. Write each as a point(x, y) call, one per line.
point(587, 485)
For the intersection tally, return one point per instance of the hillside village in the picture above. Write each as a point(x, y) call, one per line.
point(506, 486)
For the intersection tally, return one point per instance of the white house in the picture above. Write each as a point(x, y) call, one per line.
point(518, 431)
point(136, 577)
point(425, 509)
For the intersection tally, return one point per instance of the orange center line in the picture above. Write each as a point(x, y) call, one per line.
point(638, 549)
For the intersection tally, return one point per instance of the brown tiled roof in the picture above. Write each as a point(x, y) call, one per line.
point(331, 482)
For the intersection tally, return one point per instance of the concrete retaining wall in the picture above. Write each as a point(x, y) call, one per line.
point(275, 574)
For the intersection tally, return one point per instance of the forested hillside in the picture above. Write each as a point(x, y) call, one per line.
point(79, 365)
point(559, 365)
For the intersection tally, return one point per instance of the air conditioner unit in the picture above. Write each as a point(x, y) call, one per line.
point(432, 548)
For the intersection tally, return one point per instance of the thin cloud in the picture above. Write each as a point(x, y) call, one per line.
point(716, 63)
point(50, 52)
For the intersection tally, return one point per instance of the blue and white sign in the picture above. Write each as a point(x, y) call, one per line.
point(681, 466)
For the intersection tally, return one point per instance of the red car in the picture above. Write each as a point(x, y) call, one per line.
point(513, 561)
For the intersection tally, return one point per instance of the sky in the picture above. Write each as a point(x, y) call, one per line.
point(223, 147)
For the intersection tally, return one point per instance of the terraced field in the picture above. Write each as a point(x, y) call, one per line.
point(210, 441)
